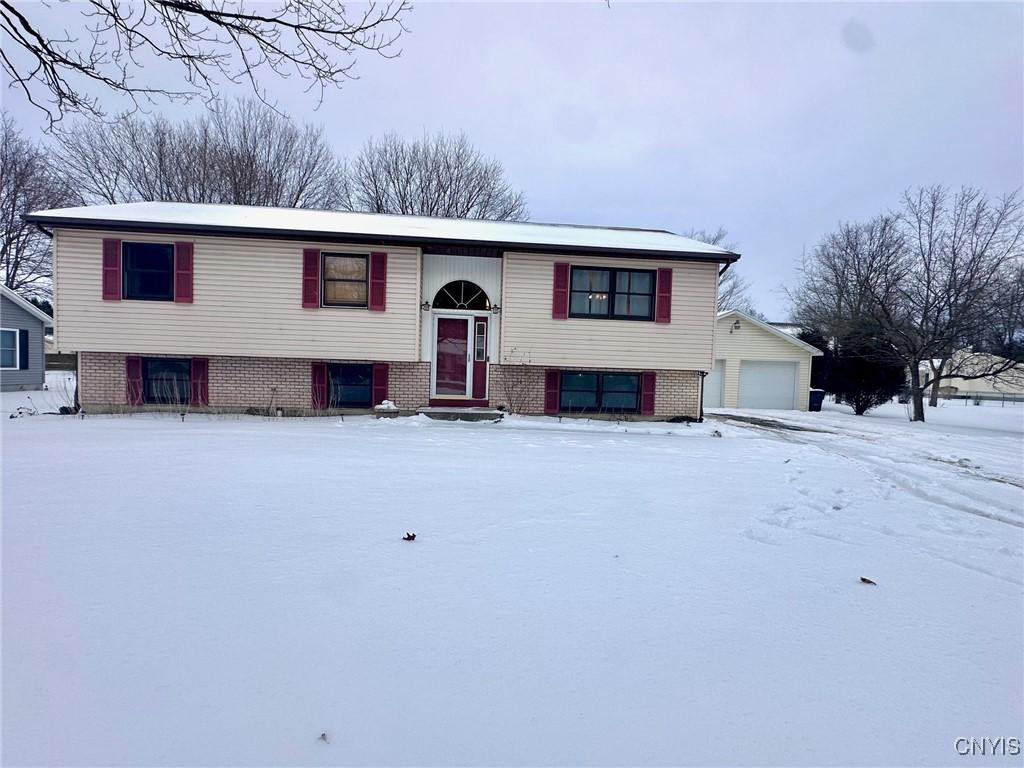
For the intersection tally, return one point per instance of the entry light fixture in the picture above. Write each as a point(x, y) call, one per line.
point(425, 306)
point(496, 309)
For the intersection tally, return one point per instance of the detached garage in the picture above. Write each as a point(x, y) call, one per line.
point(757, 366)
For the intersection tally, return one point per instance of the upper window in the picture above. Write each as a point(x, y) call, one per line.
point(621, 294)
point(462, 294)
point(599, 392)
point(8, 349)
point(148, 271)
point(344, 280)
point(166, 380)
point(351, 385)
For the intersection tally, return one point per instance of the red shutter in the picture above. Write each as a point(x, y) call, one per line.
point(551, 377)
point(663, 312)
point(200, 381)
point(319, 385)
point(560, 296)
point(380, 383)
point(378, 282)
point(183, 273)
point(133, 380)
point(310, 279)
point(647, 379)
point(111, 270)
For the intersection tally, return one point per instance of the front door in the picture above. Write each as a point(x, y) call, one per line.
point(451, 357)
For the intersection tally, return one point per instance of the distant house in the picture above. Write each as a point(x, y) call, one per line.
point(1009, 383)
point(23, 327)
point(238, 307)
point(757, 365)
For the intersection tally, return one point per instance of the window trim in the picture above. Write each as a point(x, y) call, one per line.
point(600, 391)
point(612, 275)
point(124, 270)
point(17, 350)
point(324, 280)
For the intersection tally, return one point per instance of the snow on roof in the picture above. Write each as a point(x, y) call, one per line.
point(27, 305)
point(302, 221)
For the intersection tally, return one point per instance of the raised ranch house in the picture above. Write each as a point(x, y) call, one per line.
point(299, 311)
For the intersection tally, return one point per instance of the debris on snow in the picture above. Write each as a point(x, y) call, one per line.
point(409, 536)
point(866, 580)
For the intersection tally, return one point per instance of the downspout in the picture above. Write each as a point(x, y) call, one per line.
point(44, 230)
point(700, 412)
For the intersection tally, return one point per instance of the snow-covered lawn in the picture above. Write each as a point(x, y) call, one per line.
point(224, 590)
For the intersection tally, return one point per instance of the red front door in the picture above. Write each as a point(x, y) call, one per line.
point(452, 355)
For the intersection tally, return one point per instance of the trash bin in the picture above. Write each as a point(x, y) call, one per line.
point(816, 399)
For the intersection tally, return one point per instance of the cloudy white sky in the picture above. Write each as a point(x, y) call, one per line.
point(776, 121)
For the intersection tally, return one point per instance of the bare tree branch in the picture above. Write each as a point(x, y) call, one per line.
point(210, 43)
point(940, 279)
point(244, 153)
point(26, 184)
point(437, 175)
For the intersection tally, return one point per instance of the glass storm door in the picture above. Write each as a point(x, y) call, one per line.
point(451, 358)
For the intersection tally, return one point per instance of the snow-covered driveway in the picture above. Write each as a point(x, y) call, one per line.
point(223, 591)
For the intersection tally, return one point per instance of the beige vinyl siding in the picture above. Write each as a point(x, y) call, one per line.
point(750, 342)
point(529, 334)
point(247, 301)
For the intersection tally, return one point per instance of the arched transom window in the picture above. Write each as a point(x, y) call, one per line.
point(462, 294)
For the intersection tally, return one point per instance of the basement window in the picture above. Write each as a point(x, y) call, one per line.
point(166, 381)
point(351, 385)
point(599, 392)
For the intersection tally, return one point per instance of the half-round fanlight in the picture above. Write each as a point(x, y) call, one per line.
point(462, 294)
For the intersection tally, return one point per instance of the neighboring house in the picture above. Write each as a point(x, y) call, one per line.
point(757, 365)
point(237, 307)
point(22, 328)
point(1009, 383)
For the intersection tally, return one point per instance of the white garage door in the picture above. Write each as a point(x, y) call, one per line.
point(767, 384)
point(713, 385)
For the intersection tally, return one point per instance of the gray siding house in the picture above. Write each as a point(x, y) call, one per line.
point(22, 327)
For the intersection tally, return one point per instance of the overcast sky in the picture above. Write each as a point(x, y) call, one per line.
point(776, 121)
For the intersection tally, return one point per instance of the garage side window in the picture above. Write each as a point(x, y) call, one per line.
point(148, 271)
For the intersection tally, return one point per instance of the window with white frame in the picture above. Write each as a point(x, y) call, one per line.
point(8, 349)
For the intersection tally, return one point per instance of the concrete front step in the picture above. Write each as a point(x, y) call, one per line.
point(454, 413)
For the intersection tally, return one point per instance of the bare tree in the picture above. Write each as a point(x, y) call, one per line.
point(933, 278)
point(243, 153)
point(26, 184)
point(440, 175)
point(109, 46)
point(733, 288)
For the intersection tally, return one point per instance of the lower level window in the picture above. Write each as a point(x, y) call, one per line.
point(8, 349)
point(600, 392)
point(351, 385)
point(166, 380)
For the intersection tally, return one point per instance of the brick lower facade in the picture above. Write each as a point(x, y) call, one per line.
point(520, 388)
point(264, 384)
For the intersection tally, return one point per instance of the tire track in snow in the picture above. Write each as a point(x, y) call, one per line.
point(880, 471)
